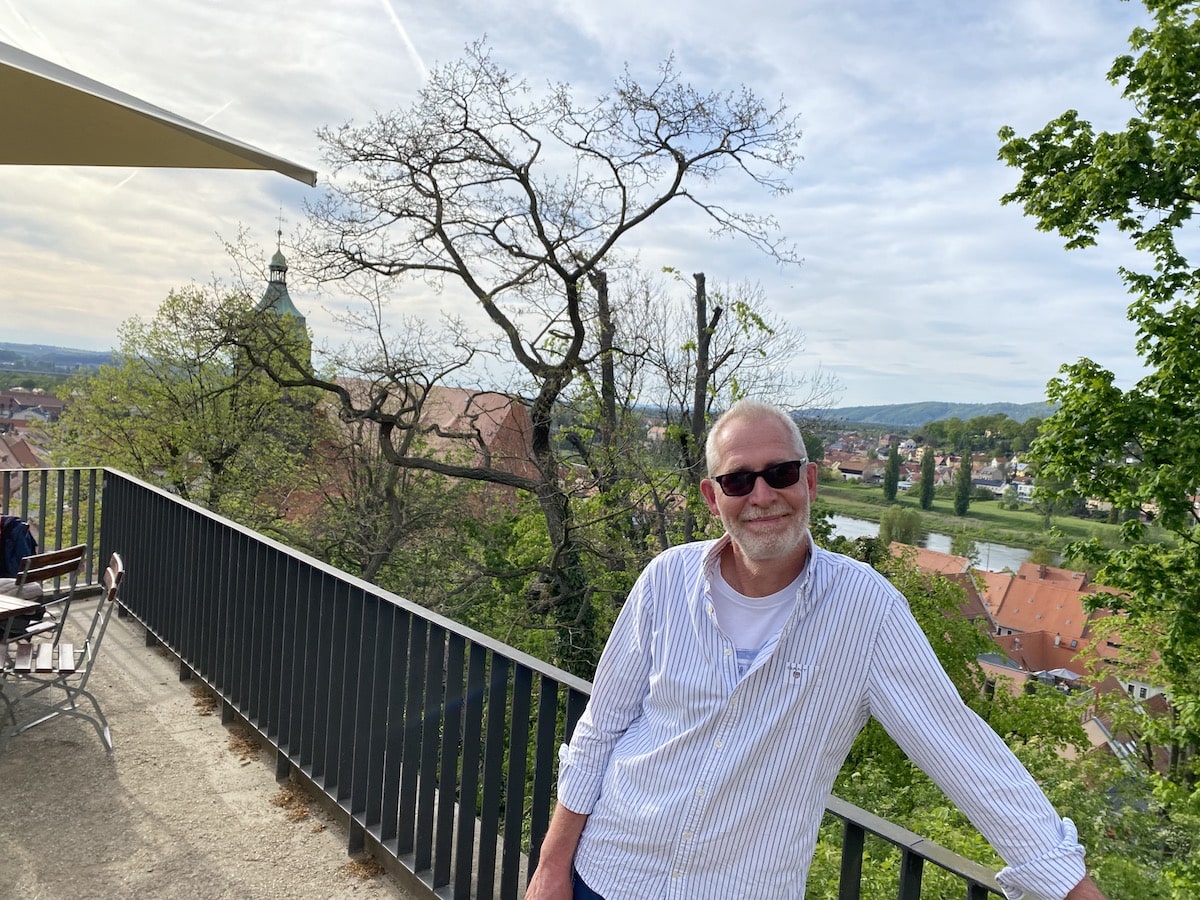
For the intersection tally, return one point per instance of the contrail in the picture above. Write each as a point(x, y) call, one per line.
point(408, 44)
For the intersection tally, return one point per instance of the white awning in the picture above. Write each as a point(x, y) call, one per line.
point(51, 116)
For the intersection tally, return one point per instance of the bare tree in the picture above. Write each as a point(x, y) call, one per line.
point(697, 351)
point(518, 199)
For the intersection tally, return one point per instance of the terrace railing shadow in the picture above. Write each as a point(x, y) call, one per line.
point(436, 744)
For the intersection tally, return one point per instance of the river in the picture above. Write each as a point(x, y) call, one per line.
point(992, 557)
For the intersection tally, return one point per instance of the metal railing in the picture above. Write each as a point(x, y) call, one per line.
point(438, 744)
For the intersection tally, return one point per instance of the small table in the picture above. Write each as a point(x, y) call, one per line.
point(10, 608)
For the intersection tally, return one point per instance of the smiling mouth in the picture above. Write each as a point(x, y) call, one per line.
point(774, 517)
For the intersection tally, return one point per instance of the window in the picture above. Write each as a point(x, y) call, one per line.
point(1142, 693)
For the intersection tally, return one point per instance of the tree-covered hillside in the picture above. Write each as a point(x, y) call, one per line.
point(914, 415)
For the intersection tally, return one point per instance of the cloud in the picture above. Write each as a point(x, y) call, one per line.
point(916, 284)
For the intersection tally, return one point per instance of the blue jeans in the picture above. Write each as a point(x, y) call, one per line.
point(583, 892)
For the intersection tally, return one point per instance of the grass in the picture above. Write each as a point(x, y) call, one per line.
point(985, 520)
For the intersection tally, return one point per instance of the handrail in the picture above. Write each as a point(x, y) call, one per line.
point(401, 718)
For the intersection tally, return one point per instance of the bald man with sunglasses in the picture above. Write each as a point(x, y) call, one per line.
point(730, 690)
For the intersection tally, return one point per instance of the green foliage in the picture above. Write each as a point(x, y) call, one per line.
point(901, 525)
point(181, 409)
point(891, 472)
point(996, 433)
point(962, 544)
point(928, 478)
point(962, 487)
point(1138, 449)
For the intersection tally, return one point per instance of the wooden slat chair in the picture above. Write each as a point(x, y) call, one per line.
point(52, 676)
point(42, 575)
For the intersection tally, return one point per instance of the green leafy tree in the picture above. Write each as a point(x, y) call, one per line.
point(962, 486)
point(1137, 448)
point(962, 544)
point(1011, 498)
point(180, 409)
point(891, 473)
point(901, 525)
point(928, 478)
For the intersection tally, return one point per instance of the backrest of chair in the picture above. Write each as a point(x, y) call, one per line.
point(113, 575)
point(53, 564)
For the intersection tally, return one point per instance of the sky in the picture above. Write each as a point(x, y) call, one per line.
point(916, 284)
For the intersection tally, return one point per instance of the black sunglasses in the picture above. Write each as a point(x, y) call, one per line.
point(779, 476)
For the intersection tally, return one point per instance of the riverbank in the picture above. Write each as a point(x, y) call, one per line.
point(985, 520)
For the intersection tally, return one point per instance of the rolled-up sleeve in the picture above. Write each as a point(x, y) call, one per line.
point(618, 692)
point(1056, 871)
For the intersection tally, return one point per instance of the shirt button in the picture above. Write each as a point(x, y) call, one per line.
point(718, 744)
point(728, 652)
point(699, 792)
point(676, 874)
point(687, 835)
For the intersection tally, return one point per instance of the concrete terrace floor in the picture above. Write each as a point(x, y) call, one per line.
point(185, 807)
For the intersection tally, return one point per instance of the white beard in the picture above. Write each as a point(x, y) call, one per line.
point(765, 545)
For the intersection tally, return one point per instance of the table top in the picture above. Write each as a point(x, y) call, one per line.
point(17, 606)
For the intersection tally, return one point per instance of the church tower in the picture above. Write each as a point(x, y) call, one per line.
point(277, 301)
point(276, 297)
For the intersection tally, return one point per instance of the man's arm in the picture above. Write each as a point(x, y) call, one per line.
point(552, 878)
point(1085, 890)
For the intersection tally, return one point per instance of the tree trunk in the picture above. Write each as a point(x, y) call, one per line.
point(697, 421)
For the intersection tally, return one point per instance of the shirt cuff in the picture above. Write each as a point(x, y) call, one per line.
point(578, 789)
point(1050, 876)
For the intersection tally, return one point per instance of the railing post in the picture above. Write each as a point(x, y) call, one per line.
point(911, 867)
point(853, 842)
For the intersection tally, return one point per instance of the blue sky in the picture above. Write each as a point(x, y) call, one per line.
point(916, 283)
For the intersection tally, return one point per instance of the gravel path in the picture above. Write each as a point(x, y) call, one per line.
point(186, 807)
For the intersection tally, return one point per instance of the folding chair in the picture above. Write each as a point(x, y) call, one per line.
point(42, 669)
point(38, 571)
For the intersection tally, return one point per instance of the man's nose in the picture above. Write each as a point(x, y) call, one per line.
point(762, 492)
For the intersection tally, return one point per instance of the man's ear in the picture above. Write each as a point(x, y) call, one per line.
point(708, 490)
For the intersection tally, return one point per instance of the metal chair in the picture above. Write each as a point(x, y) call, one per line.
point(37, 572)
point(51, 676)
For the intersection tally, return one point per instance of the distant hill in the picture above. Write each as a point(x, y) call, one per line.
point(45, 359)
point(914, 415)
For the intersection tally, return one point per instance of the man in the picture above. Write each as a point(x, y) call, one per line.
point(734, 681)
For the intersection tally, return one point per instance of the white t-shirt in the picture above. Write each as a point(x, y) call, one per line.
point(750, 622)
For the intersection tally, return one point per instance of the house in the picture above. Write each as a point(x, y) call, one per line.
point(480, 428)
point(17, 453)
point(20, 408)
point(1044, 633)
point(956, 569)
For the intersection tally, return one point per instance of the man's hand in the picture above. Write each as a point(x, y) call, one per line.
point(550, 884)
point(1085, 890)
point(552, 880)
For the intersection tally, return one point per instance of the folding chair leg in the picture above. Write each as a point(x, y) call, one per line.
point(99, 722)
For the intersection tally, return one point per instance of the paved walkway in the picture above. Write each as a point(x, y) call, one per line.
point(186, 807)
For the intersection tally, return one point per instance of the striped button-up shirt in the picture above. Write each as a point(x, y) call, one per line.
point(700, 784)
